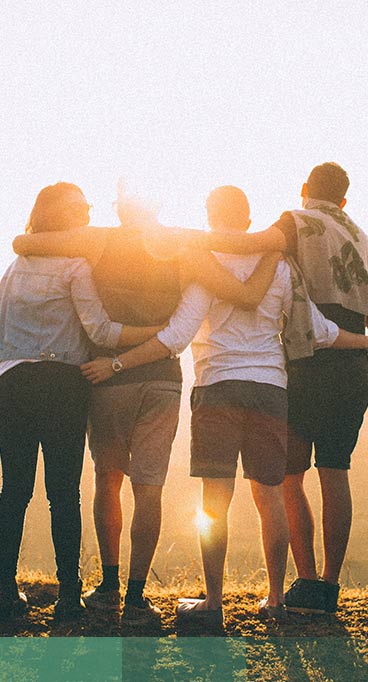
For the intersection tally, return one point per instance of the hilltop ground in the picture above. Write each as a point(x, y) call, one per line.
point(306, 649)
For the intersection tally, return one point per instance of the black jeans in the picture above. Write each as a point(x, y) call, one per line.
point(42, 403)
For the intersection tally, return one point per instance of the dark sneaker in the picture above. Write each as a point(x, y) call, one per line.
point(145, 614)
point(69, 605)
point(100, 600)
point(268, 612)
point(306, 596)
point(187, 612)
point(12, 602)
point(331, 596)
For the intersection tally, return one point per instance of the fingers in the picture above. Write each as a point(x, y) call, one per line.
point(98, 370)
point(95, 377)
point(88, 372)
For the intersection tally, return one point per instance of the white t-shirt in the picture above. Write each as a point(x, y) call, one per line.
point(232, 343)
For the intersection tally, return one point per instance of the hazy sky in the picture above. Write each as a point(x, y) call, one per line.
point(177, 97)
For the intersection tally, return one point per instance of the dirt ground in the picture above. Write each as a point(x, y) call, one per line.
point(240, 613)
point(305, 649)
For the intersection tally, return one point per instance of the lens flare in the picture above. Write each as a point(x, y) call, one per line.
point(202, 521)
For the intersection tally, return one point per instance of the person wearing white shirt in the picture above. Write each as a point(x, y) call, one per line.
point(239, 403)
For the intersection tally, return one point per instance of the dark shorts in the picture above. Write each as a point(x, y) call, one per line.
point(239, 416)
point(327, 401)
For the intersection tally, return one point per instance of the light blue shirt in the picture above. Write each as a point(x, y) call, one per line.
point(48, 309)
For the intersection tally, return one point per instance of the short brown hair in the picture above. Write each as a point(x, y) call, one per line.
point(227, 206)
point(328, 182)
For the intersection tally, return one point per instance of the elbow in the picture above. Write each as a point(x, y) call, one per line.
point(107, 335)
point(18, 246)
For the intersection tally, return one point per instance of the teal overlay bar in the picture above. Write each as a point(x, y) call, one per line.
point(245, 659)
point(60, 659)
point(184, 659)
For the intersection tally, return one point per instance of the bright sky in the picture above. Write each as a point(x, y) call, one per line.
point(179, 96)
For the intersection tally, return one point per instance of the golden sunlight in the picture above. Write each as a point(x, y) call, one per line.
point(203, 521)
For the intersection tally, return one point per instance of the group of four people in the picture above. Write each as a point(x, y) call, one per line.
point(231, 306)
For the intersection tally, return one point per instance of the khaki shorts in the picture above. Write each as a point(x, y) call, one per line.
point(132, 428)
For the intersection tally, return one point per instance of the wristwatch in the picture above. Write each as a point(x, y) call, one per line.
point(117, 365)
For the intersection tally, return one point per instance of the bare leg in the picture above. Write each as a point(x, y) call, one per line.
point(275, 536)
point(145, 529)
point(108, 515)
point(217, 495)
point(301, 525)
point(337, 514)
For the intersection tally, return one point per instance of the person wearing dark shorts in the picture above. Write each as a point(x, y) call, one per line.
point(327, 401)
point(246, 417)
point(239, 404)
point(134, 414)
point(328, 393)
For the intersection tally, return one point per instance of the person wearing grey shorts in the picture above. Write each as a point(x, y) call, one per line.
point(134, 414)
point(238, 403)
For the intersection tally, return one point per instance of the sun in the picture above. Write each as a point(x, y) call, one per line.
point(203, 522)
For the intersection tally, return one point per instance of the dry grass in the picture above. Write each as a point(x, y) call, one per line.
point(306, 649)
point(240, 611)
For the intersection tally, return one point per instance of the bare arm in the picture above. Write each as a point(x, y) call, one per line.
point(206, 270)
point(346, 340)
point(85, 242)
point(100, 369)
point(131, 336)
point(271, 239)
point(181, 329)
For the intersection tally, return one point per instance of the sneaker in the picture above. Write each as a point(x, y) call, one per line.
point(306, 596)
point(331, 596)
point(268, 612)
point(108, 600)
point(187, 612)
point(69, 605)
point(145, 614)
point(12, 602)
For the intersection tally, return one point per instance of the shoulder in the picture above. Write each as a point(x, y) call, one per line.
point(92, 241)
point(286, 224)
point(74, 266)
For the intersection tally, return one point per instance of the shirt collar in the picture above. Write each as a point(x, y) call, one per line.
point(313, 203)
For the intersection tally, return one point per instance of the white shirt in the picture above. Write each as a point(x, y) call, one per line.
point(232, 343)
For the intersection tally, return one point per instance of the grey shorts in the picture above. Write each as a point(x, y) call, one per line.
point(132, 427)
point(239, 416)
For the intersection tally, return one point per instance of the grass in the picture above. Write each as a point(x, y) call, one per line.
point(306, 649)
point(240, 612)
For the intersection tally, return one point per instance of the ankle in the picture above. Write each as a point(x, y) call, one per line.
point(70, 590)
point(110, 578)
point(213, 602)
point(275, 598)
point(308, 575)
point(330, 580)
point(134, 593)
